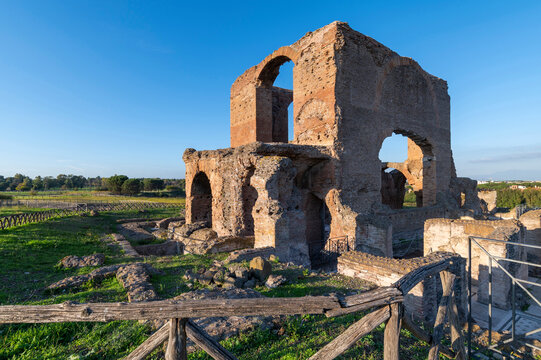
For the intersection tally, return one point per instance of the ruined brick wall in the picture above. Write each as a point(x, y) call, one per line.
point(314, 73)
point(452, 236)
point(259, 189)
point(349, 93)
point(378, 93)
point(229, 173)
point(489, 197)
point(532, 223)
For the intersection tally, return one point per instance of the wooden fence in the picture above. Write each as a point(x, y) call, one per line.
point(36, 216)
point(387, 303)
point(72, 208)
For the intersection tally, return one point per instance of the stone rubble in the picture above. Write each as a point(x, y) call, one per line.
point(73, 261)
point(133, 277)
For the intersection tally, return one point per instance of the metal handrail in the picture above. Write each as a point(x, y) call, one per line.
point(515, 282)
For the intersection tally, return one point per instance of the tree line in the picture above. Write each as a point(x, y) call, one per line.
point(117, 184)
point(510, 198)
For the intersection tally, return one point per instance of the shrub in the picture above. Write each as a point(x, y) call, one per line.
point(131, 187)
point(5, 197)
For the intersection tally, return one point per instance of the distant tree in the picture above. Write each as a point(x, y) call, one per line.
point(131, 187)
point(37, 183)
point(49, 182)
point(16, 180)
point(153, 184)
point(114, 183)
point(532, 197)
point(26, 185)
point(3, 183)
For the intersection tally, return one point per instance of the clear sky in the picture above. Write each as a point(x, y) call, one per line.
point(104, 87)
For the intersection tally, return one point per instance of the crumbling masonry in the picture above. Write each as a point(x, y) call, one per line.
point(349, 93)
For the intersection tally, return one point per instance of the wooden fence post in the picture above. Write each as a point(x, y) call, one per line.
point(391, 342)
point(447, 282)
point(176, 346)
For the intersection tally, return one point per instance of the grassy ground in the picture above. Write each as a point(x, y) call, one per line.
point(29, 256)
point(18, 210)
point(82, 195)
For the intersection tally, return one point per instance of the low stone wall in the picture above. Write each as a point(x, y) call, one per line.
point(215, 245)
point(167, 248)
point(452, 235)
point(422, 301)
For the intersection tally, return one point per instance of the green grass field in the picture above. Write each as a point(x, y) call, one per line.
point(29, 256)
point(4, 211)
point(84, 195)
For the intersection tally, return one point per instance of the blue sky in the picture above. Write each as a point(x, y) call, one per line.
point(105, 87)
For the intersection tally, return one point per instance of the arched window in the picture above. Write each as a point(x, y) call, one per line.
point(403, 173)
point(276, 90)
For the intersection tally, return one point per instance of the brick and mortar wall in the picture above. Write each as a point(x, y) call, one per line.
point(532, 222)
point(452, 236)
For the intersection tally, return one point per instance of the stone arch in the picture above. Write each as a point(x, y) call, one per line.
point(272, 102)
point(418, 169)
point(201, 198)
point(270, 66)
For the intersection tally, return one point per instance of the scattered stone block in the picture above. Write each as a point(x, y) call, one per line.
point(249, 284)
point(186, 230)
point(164, 223)
point(260, 268)
point(274, 281)
point(249, 254)
point(204, 234)
point(136, 280)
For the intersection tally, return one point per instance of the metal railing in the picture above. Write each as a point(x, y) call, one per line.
point(493, 259)
point(333, 248)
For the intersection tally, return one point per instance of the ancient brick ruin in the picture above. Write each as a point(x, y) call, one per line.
point(349, 93)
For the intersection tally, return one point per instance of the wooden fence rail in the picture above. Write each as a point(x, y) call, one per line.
point(72, 208)
point(36, 216)
point(387, 302)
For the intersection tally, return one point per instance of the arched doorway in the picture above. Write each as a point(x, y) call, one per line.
point(201, 195)
point(249, 197)
point(318, 222)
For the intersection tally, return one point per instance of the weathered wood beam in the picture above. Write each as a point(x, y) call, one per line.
point(367, 305)
point(391, 339)
point(415, 329)
point(150, 344)
point(176, 345)
point(408, 282)
point(155, 310)
point(352, 334)
point(372, 295)
point(457, 339)
point(447, 281)
point(205, 342)
point(423, 335)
